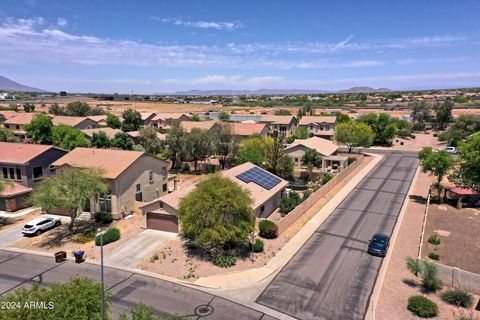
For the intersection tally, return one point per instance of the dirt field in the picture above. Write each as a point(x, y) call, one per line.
point(458, 233)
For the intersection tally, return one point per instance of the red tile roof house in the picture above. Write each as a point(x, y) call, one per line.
point(245, 130)
point(101, 120)
point(17, 124)
point(164, 120)
point(281, 126)
point(321, 126)
point(108, 131)
point(133, 177)
point(136, 136)
point(161, 214)
point(24, 165)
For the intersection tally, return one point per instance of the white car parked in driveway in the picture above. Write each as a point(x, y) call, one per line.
point(37, 226)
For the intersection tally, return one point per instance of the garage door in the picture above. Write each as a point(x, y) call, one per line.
point(162, 222)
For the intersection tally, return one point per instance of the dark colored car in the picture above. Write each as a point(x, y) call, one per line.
point(378, 245)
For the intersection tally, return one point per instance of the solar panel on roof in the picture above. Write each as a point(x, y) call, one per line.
point(261, 177)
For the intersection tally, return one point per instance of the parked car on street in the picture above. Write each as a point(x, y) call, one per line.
point(37, 226)
point(379, 244)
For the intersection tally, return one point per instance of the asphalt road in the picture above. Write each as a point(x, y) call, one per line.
point(127, 288)
point(332, 276)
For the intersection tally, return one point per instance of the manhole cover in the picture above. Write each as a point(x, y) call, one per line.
point(203, 310)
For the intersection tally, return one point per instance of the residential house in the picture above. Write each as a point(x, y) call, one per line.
point(321, 126)
point(324, 147)
point(280, 126)
point(164, 120)
point(265, 189)
point(245, 130)
point(136, 136)
point(188, 126)
point(132, 176)
point(110, 132)
point(147, 117)
point(17, 123)
point(8, 114)
point(101, 120)
point(23, 166)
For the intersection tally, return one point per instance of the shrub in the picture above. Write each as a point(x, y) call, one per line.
point(422, 306)
point(111, 235)
point(435, 135)
point(268, 229)
point(418, 127)
point(430, 281)
point(326, 177)
point(258, 246)
point(434, 256)
point(433, 239)
point(210, 168)
point(458, 297)
point(224, 260)
point(306, 195)
point(104, 217)
point(185, 167)
point(289, 202)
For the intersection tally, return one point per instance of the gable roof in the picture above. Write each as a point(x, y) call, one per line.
point(168, 116)
point(110, 132)
point(21, 152)
point(136, 134)
point(274, 119)
point(21, 118)
point(99, 118)
point(112, 162)
point(323, 146)
point(259, 194)
point(248, 129)
point(26, 118)
point(204, 125)
point(14, 189)
point(306, 120)
point(147, 115)
point(8, 113)
point(69, 121)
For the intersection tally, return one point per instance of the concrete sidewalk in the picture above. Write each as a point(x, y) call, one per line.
point(246, 285)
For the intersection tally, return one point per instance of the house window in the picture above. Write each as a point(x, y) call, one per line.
point(150, 176)
point(296, 159)
point(17, 127)
point(11, 173)
point(5, 173)
point(164, 172)
point(165, 187)
point(7, 126)
point(105, 202)
point(18, 173)
point(138, 193)
point(37, 172)
point(262, 210)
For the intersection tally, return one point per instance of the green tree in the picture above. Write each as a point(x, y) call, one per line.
point(2, 118)
point(40, 129)
point(78, 109)
point(6, 135)
point(68, 138)
point(224, 142)
point(464, 126)
point(198, 145)
point(443, 113)
point(223, 116)
point(253, 149)
point(421, 112)
point(195, 117)
point(277, 162)
point(218, 211)
point(354, 134)
point(150, 141)
point(288, 203)
point(56, 109)
point(342, 118)
point(467, 172)
point(132, 120)
point(311, 159)
point(70, 189)
point(174, 143)
point(28, 107)
point(113, 121)
point(283, 112)
point(301, 133)
point(100, 140)
point(383, 126)
point(122, 141)
point(77, 299)
point(437, 163)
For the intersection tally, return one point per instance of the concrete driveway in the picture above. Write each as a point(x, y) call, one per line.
point(136, 249)
point(10, 235)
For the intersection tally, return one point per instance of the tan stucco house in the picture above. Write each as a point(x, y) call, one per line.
point(320, 126)
point(280, 126)
point(297, 149)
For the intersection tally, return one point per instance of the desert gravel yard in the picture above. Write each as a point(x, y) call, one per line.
point(458, 231)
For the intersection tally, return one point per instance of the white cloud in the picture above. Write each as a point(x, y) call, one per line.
point(217, 25)
point(62, 22)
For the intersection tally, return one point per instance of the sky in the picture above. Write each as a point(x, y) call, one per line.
point(108, 46)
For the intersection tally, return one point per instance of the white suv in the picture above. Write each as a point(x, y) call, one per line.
point(37, 226)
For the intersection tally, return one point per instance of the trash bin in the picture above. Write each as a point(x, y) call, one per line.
point(78, 256)
point(60, 256)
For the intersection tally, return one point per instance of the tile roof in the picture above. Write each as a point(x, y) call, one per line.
point(14, 189)
point(111, 162)
point(277, 119)
point(99, 118)
point(169, 115)
point(146, 115)
point(21, 152)
point(323, 146)
point(8, 113)
point(306, 120)
point(136, 134)
point(69, 121)
point(26, 118)
point(248, 129)
point(205, 125)
point(259, 194)
point(110, 132)
point(21, 118)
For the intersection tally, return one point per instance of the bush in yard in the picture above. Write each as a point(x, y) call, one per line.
point(458, 297)
point(433, 239)
point(428, 273)
point(434, 256)
point(224, 260)
point(268, 229)
point(258, 246)
point(104, 217)
point(326, 177)
point(289, 202)
point(111, 235)
point(422, 307)
point(185, 167)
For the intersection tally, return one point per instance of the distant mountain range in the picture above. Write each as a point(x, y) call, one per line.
point(274, 91)
point(10, 85)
